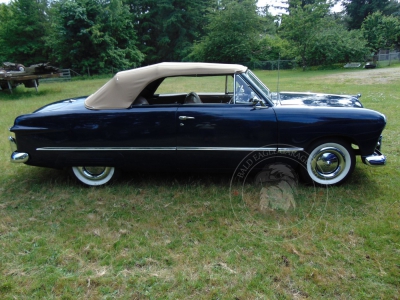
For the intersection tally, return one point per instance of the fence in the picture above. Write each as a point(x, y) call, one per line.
point(271, 65)
point(66, 75)
point(386, 58)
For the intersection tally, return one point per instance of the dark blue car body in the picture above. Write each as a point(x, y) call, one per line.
point(213, 135)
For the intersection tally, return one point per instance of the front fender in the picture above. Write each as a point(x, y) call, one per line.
point(300, 126)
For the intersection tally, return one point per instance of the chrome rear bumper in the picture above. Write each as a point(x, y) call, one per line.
point(17, 157)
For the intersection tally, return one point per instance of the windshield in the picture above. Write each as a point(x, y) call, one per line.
point(257, 82)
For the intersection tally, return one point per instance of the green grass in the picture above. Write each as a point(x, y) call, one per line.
point(192, 236)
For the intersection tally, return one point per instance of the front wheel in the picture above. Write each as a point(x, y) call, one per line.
point(94, 176)
point(330, 162)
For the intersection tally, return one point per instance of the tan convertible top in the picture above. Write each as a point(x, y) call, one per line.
point(125, 86)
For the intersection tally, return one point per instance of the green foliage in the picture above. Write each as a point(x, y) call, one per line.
point(272, 47)
point(294, 4)
point(22, 31)
point(4, 15)
point(318, 38)
point(392, 8)
point(381, 32)
point(334, 43)
point(358, 10)
point(168, 28)
point(231, 35)
point(102, 36)
point(269, 23)
point(94, 35)
point(301, 26)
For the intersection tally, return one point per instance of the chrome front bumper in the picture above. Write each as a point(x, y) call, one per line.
point(17, 157)
point(375, 160)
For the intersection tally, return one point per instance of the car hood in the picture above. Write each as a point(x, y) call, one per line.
point(315, 99)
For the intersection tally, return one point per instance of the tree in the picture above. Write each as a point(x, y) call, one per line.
point(94, 35)
point(232, 34)
point(272, 47)
point(23, 28)
point(5, 14)
point(334, 43)
point(292, 4)
point(269, 22)
point(319, 38)
point(381, 32)
point(168, 28)
point(288, 5)
point(302, 25)
point(392, 8)
point(358, 10)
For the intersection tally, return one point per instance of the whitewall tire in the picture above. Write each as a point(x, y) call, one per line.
point(330, 162)
point(94, 176)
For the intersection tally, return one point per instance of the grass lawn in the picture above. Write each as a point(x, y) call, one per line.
point(193, 236)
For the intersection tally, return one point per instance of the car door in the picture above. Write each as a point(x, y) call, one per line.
point(146, 136)
point(219, 136)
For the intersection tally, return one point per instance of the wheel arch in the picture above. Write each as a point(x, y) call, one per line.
point(348, 139)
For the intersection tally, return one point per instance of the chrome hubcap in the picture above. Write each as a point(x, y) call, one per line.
point(95, 173)
point(328, 163)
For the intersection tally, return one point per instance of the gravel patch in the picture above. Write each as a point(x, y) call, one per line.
point(365, 77)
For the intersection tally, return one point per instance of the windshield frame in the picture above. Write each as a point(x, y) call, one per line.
point(259, 86)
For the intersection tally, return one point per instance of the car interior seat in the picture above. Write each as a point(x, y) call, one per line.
point(140, 100)
point(191, 98)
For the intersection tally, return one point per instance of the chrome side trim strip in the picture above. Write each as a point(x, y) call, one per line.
point(106, 148)
point(225, 149)
point(280, 150)
point(283, 150)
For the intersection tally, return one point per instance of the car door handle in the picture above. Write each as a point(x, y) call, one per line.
point(183, 118)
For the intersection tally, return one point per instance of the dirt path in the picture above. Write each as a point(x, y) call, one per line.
point(363, 77)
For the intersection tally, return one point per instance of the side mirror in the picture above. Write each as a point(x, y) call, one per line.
point(257, 101)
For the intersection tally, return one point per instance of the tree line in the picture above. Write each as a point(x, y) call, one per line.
point(98, 35)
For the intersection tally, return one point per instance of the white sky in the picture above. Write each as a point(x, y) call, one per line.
point(337, 8)
point(271, 3)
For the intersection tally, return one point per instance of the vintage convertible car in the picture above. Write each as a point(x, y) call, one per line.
point(196, 116)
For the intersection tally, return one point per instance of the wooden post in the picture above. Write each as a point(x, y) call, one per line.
point(9, 86)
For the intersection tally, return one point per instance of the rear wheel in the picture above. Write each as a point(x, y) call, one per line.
point(330, 162)
point(94, 176)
